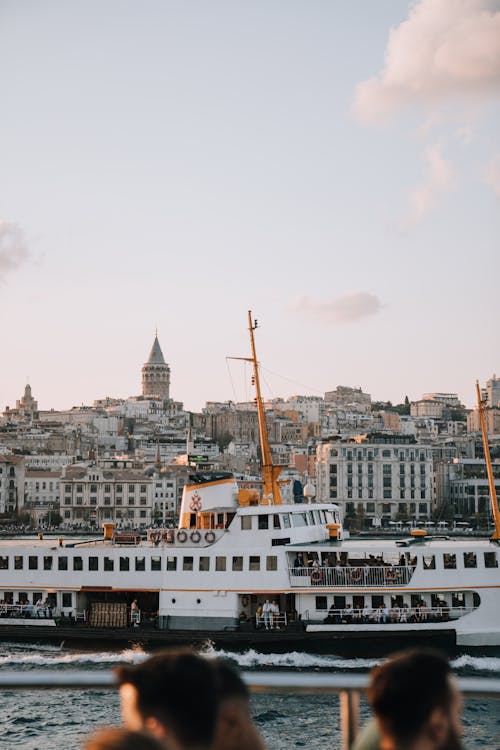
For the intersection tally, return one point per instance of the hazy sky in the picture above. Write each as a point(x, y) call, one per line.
point(333, 165)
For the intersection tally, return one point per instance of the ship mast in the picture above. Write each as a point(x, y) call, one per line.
point(491, 480)
point(271, 493)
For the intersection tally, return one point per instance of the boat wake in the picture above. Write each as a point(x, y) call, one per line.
point(34, 656)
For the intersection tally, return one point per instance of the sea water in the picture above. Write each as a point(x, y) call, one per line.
point(61, 719)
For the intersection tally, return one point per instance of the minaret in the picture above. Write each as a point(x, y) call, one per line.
point(156, 374)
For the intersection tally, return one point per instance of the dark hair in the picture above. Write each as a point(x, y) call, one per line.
point(178, 689)
point(229, 682)
point(406, 688)
point(116, 738)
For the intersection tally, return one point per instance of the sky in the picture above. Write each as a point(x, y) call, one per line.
point(332, 166)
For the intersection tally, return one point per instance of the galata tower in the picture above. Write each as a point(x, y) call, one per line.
point(156, 374)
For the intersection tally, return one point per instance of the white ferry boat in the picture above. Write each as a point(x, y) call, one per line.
point(243, 569)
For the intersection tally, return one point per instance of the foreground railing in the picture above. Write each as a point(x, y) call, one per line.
point(348, 687)
point(366, 575)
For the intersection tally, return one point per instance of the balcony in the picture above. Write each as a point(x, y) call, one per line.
point(365, 576)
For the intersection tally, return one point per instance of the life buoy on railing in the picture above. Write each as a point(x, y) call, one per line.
point(182, 536)
point(356, 575)
point(244, 601)
point(392, 576)
point(316, 575)
point(195, 536)
point(169, 536)
point(209, 537)
point(156, 537)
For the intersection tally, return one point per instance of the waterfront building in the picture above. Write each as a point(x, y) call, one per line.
point(41, 495)
point(93, 495)
point(379, 477)
point(12, 472)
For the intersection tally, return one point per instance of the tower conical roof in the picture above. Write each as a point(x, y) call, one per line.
point(156, 354)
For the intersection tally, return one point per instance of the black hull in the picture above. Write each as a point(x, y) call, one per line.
point(360, 643)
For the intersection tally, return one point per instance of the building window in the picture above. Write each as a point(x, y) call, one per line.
point(490, 560)
point(156, 563)
point(18, 562)
point(47, 563)
point(171, 563)
point(321, 602)
point(124, 564)
point(4, 562)
point(254, 562)
point(67, 599)
point(429, 562)
point(220, 563)
point(271, 562)
point(204, 565)
point(77, 563)
point(93, 563)
point(109, 564)
point(246, 523)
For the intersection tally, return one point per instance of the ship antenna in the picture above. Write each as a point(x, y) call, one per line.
point(271, 493)
point(491, 480)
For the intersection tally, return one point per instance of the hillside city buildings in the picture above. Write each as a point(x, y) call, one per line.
point(126, 460)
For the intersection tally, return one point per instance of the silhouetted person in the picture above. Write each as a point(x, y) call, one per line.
point(416, 702)
point(174, 696)
point(235, 728)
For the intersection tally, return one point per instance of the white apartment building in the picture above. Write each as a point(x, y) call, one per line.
point(91, 496)
point(381, 477)
point(41, 494)
point(427, 408)
point(12, 471)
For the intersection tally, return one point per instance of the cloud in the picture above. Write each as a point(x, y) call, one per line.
point(348, 308)
point(13, 248)
point(445, 49)
point(492, 175)
point(439, 179)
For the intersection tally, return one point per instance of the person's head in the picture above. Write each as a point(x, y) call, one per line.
point(116, 738)
point(235, 729)
point(416, 702)
point(172, 695)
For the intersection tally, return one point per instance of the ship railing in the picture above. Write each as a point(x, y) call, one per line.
point(272, 622)
point(347, 687)
point(28, 611)
point(389, 615)
point(366, 575)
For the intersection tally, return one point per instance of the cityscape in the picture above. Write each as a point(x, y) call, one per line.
point(126, 461)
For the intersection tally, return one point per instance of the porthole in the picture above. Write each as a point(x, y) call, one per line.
point(173, 601)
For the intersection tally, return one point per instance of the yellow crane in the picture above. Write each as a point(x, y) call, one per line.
point(491, 479)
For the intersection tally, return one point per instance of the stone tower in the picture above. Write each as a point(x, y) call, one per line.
point(156, 374)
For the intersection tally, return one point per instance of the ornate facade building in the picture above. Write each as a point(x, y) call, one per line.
point(156, 375)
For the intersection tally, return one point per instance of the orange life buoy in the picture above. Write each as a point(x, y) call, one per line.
point(356, 575)
point(195, 536)
point(209, 537)
point(182, 536)
point(392, 576)
point(316, 575)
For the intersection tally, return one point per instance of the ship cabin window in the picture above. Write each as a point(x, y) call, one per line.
point(109, 564)
point(490, 560)
point(470, 560)
point(22, 597)
point(237, 564)
point(156, 563)
point(124, 564)
point(276, 522)
point(187, 563)
point(263, 522)
point(4, 562)
point(33, 562)
point(450, 561)
point(321, 602)
point(286, 520)
point(67, 599)
point(457, 599)
point(36, 596)
point(171, 563)
point(246, 523)
point(62, 563)
point(299, 519)
point(47, 562)
point(192, 520)
point(429, 562)
point(254, 562)
point(8, 597)
point(77, 563)
point(377, 601)
point(220, 563)
point(140, 564)
point(271, 562)
point(204, 565)
point(93, 563)
point(18, 562)
point(310, 515)
point(476, 599)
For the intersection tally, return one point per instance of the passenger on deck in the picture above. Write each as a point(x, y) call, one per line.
point(416, 702)
point(266, 614)
point(274, 615)
point(173, 695)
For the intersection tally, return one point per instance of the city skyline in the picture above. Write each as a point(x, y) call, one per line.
point(335, 169)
